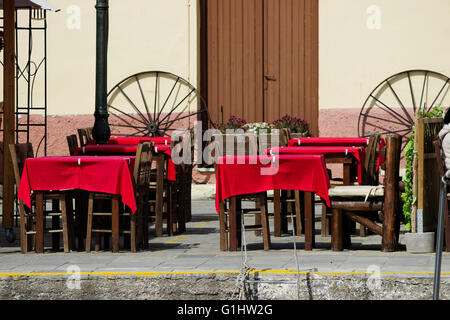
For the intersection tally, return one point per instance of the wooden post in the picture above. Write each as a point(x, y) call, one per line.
point(391, 193)
point(337, 241)
point(415, 180)
point(8, 111)
point(420, 139)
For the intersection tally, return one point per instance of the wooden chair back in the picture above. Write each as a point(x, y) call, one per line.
point(143, 164)
point(85, 135)
point(266, 141)
point(371, 158)
point(72, 143)
point(287, 136)
point(232, 144)
point(19, 153)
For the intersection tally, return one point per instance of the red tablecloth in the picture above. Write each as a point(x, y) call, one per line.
point(357, 152)
point(110, 174)
point(128, 149)
point(137, 140)
point(329, 141)
point(295, 172)
point(338, 141)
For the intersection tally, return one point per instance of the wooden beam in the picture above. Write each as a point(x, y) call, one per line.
point(8, 111)
point(365, 222)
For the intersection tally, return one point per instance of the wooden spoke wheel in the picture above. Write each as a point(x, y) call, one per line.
point(154, 103)
point(391, 107)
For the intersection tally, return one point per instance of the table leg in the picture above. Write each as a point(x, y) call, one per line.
point(39, 240)
point(309, 220)
point(235, 223)
point(115, 224)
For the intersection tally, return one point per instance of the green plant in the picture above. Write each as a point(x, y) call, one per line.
point(258, 127)
point(233, 123)
point(408, 197)
point(436, 112)
point(296, 125)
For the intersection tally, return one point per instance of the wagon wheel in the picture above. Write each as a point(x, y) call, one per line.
point(392, 105)
point(154, 103)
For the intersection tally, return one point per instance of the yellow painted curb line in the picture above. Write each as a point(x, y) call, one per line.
point(160, 273)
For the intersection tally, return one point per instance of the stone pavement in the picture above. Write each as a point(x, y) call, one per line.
point(197, 251)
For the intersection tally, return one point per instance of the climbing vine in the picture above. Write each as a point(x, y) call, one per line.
point(408, 197)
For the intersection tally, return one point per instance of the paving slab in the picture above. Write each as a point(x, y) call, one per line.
point(198, 250)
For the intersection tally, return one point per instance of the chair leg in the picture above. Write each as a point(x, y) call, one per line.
point(325, 230)
point(159, 196)
point(262, 204)
point(337, 241)
point(70, 220)
point(277, 213)
point(89, 223)
point(133, 231)
point(56, 206)
point(24, 238)
point(298, 214)
point(40, 223)
point(258, 221)
point(115, 224)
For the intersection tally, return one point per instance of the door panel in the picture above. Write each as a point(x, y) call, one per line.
point(261, 59)
point(234, 59)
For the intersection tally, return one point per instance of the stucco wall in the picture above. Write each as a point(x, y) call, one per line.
point(144, 35)
point(363, 42)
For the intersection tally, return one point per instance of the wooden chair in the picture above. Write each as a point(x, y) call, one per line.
point(288, 204)
point(231, 211)
point(72, 142)
point(363, 204)
point(28, 222)
point(162, 204)
point(183, 184)
point(442, 170)
point(141, 175)
point(85, 135)
point(370, 178)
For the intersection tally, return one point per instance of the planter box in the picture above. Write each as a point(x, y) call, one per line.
point(420, 242)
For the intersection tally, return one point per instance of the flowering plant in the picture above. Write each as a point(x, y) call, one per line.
point(256, 127)
point(296, 125)
point(233, 123)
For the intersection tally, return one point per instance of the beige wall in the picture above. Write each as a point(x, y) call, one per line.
point(144, 35)
point(162, 35)
point(413, 34)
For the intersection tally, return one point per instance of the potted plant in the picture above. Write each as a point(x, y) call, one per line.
point(299, 127)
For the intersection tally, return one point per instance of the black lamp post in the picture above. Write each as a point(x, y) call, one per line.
point(101, 131)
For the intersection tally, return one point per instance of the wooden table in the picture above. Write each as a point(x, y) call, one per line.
point(111, 175)
point(306, 173)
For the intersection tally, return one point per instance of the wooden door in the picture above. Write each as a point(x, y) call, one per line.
point(233, 72)
point(260, 59)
